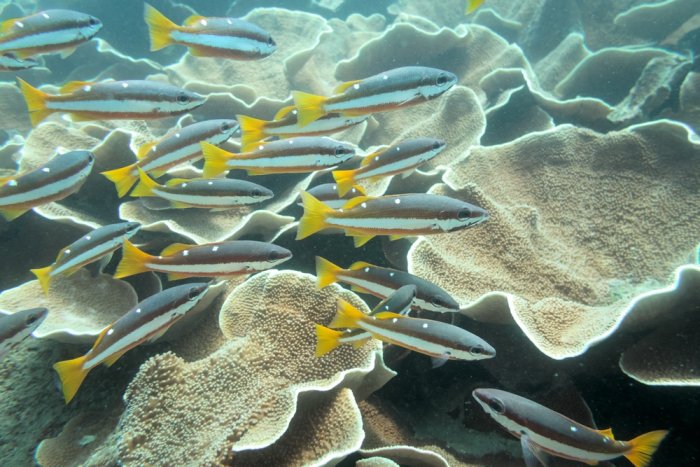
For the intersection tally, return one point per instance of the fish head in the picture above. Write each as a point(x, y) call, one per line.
point(26, 321)
point(480, 350)
point(130, 228)
point(277, 254)
point(187, 100)
point(460, 216)
point(267, 47)
point(85, 26)
point(228, 128)
point(259, 193)
point(493, 402)
point(440, 302)
point(90, 27)
point(196, 290)
point(435, 82)
point(344, 151)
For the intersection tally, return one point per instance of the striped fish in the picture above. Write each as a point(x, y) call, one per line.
point(210, 37)
point(222, 259)
point(543, 431)
point(393, 89)
point(294, 155)
point(16, 327)
point(10, 62)
point(215, 193)
point(441, 341)
point(53, 181)
point(133, 99)
point(286, 125)
point(328, 194)
point(147, 321)
point(47, 32)
point(402, 157)
point(383, 282)
point(398, 216)
point(89, 248)
point(181, 147)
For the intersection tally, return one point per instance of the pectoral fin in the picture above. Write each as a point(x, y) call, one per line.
point(532, 454)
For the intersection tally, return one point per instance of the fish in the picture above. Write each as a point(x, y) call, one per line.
point(87, 249)
point(47, 31)
point(441, 341)
point(231, 38)
point(224, 259)
point(397, 216)
point(16, 327)
point(328, 193)
point(10, 62)
point(147, 321)
point(295, 155)
point(59, 177)
point(383, 282)
point(543, 431)
point(216, 193)
point(107, 100)
point(393, 89)
point(182, 146)
point(472, 5)
point(402, 157)
point(285, 125)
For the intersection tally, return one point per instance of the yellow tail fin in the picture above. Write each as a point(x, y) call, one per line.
point(326, 272)
point(215, 160)
point(310, 107)
point(72, 375)
point(145, 187)
point(159, 27)
point(123, 178)
point(133, 261)
point(473, 5)
point(44, 277)
point(644, 446)
point(345, 179)
point(347, 316)
point(326, 340)
point(252, 131)
point(36, 102)
point(314, 218)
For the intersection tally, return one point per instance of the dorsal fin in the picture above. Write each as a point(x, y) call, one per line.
point(388, 315)
point(370, 157)
point(176, 181)
point(359, 265)
point(284, 111)
point(360, 190)
point(101, 336)
point(175, 248)
point(193, 20)
point(144, 149)
point(356, 201)
point(73, 86)
point(342, 87)
point(607, 432)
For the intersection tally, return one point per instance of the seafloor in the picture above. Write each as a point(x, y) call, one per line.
point(574, 123)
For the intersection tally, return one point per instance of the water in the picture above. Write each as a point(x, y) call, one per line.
point(574, 124)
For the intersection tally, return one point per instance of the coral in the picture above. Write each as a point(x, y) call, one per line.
point(657, 20)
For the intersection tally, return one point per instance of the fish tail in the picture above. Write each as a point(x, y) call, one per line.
point(347, 316)
point(310, 107)
point(327, 339)
point(72, 375)
point(215, 160)
point(145, 187)
point(44, 277)
point(252, 131)
point(644, 446)
point(159, 27)
point(133, 261)
point(123, 178)
point(473, 5)
point(314, 218)
point(326, 272)
point(345, 180)
point(36, 102)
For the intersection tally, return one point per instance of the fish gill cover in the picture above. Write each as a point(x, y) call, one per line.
point(548, 220)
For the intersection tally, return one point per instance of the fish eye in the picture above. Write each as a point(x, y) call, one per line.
point(270, 41)
point(225, 127)
point(441, 79)
point(437, 301)
point(341, 150)
point(133, 226)
point(477, 350)
point(183, 99)
point(192, 293)
point(93, 21)
point(31, 320)
point(91, 157)
point(273, 256)
point(437, 145)
point(464, 214)
point(256, 193)
point(497, 406)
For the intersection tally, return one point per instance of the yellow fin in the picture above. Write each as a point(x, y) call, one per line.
point(193, 20)
point(176, 276)
point(44, 277)
point(370, 157)
point(199, 51)
point(145, 187)
point(112, 359)
point(283, 112)
point(360, 343)
point(607, 432)
point(347, 316)
point(251, 171)
point(73, 86)
point(360, 289)
point(133, 261)
point(360, 240)
point(144, 149)
point(174, 248)
point(36, 102)
point(123, 178)
point(72, 375)
point(356, 201)
point(68, 51)
point(7, 25)
point(12, 214)
point(215, 160)
point(314, 218)
point(326, 340)
point(344, 179)
point(176, 181)
point(396, 237)
point(644, 446)
point(473, 5)
point(360, 265)
point(342, 87)
point(326, 272)
point(159, 27)
point(252, 130)
point(310, 107)
point(388, 315)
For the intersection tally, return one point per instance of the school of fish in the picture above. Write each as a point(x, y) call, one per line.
point(295, 141)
